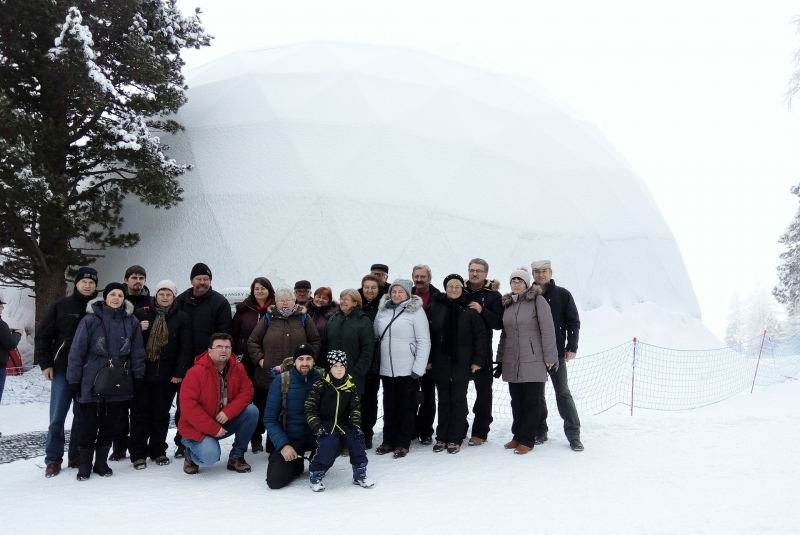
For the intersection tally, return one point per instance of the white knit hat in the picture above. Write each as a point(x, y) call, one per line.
point(167, 285)
point(521, 273)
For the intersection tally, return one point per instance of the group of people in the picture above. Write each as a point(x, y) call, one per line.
point(301, 367)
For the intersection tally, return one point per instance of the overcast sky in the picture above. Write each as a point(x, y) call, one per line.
point(690, 92)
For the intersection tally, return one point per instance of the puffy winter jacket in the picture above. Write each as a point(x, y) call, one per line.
point(210, 313)
point(244, 322)
point(296, 423)
point(353, 335)
point(176, 357)
point(200, 397)
point(528, 339)
point(332, 406)
point(276, 339)
point(565, 317)
point(470, 345)
point(105, 334)
point(57, 329)
point(406, 346)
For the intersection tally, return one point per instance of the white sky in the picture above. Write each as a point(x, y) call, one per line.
point(690, 92)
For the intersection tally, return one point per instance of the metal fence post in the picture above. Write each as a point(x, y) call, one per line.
point(758, 361)
point(633, 372)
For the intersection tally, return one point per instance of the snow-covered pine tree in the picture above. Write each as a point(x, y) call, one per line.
point(787, 291)
point(84, 87)
point(733, 331)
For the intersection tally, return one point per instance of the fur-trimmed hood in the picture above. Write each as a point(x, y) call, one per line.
point(491, 285)
point(528, 295)
point(99, 301)
point(411, 305)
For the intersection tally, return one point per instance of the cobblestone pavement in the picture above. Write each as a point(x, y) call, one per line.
point(23, 446)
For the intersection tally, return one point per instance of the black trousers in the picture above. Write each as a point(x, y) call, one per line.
point(453, 411)
point(260, 401)
point(178, 436)
point(423, 423)
point(399, 410)
point(281, 472)
point(369, 403)
point(565, 403)
point(525, 411)
point(100, 420)
point(150, 419)
point(482, 409)
point(120, 440)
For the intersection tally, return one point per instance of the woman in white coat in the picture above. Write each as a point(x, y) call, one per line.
point(402, 327)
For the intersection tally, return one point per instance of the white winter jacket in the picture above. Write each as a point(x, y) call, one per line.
point(407, 343)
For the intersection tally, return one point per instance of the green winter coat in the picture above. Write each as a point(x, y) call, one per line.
point(353, 335)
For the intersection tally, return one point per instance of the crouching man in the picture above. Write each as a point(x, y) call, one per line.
point(288, 435)
point(215, 403)
point(333, 411)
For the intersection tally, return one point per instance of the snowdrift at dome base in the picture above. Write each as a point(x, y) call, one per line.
point(316, 160)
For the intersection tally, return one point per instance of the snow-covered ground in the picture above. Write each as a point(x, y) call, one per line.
point(727, 468)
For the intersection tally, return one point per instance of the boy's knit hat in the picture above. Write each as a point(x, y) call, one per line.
point(336, 356)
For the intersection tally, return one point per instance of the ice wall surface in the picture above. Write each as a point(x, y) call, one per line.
point(315, 160)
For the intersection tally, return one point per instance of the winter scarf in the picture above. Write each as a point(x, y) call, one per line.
point(286, 312)
point(263, 308)
point(159, 334)
point(390, 304)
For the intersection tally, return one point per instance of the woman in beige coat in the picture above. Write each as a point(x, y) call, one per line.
point(527, 350)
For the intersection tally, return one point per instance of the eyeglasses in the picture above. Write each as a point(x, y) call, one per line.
point(517, 281)
point(473, 271)
point(222, 348)
point(456, 287)
point(379, 274)
point(285, 301)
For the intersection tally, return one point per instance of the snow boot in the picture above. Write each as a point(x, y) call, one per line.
point(101, 467)
point(360, 476)
point(315, 479)
point(85, 463)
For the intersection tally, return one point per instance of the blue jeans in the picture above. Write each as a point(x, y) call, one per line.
point(3, 373)
point(60, 398)
point(206, 452)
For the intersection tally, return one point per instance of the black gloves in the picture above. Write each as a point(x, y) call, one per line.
point(321, 432)
point(498, 370)
point(553, 367)
point(359, 434)
point(75, 388)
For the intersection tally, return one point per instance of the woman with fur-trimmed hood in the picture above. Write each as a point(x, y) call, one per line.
point(108, 334)
point(402, 326)
point(526, 351)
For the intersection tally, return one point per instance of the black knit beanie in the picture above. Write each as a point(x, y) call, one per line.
point(200, 269)
point(304, 349)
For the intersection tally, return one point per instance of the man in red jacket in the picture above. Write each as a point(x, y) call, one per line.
point(215, 402)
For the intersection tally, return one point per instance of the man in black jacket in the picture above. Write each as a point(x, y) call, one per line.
point(381, 272)
point(487, 301)
point(53, 340)
point(567, 324)
point(209, 312)
point(423, 424)
point(137, 292)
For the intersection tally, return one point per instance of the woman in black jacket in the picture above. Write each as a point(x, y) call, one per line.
point(167, 337)
point(458, 350)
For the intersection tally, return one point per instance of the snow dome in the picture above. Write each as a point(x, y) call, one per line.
point(316, 160)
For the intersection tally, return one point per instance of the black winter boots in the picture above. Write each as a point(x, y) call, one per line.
point(85, 463)
point(101, 462)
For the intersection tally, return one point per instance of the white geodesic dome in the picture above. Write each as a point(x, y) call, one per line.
point(315, 160)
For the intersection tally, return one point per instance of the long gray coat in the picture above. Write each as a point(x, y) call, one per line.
point(528, 339)
point(407, 344)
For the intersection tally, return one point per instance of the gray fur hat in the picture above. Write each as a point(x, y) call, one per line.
point(404, 283)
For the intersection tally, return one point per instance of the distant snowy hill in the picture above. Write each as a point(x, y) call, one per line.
point(315, 160)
